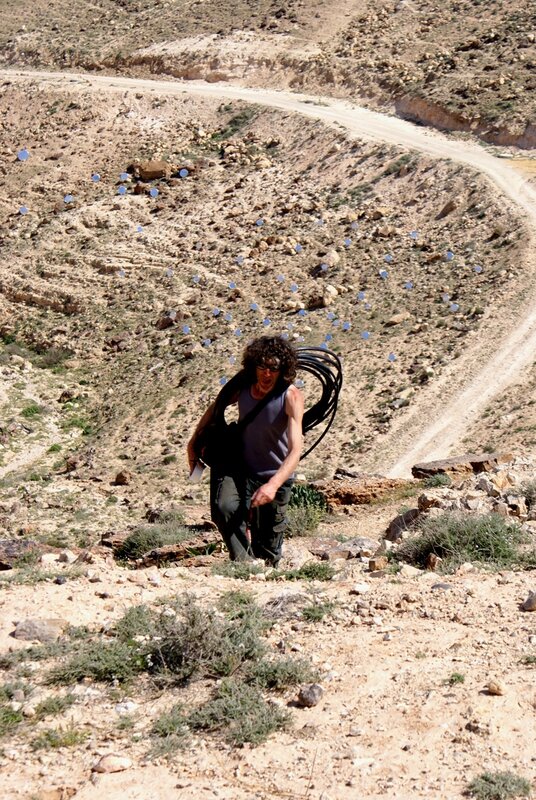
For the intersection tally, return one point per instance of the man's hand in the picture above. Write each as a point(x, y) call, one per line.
point(264, 494)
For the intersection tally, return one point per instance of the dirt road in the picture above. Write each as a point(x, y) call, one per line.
point(506, 344)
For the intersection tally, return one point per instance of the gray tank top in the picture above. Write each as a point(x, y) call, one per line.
point(265, 438)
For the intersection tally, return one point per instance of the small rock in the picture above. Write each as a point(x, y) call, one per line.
point(40, 630)
point(123, 478)
point(530, 603)
point(310, 695)
point(112, 763)
point(377, 563)
point(495, 687)
point(360, 588)
point(407, 571)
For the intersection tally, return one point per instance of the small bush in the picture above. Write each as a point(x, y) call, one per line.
point(54, 448)
point(240, 570)
point(9, 719)
point(172, 732)
point(54, 357)
point(312, 571)
point(51, 706)
point(441, 479)
point(282, 673)
point(31, 411)
point(306, 510)
point(529, 492)
point(498, 786)
point(317, 611)
point(137, 621)
point(148, 537)
point(107, 662)
point(54, 739)
point(303, 494)
point(240, 713)
point(455, 678)
point(487, 539)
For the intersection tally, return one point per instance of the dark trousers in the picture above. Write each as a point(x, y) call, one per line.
point(230, 501)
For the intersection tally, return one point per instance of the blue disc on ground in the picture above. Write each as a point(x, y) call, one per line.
point(336, 323)
point(139, 229)
point(361, 295)
point(95, 177)
point(23, 210)
point(294, 287)
point(408, 285)
point(354, 226)
point(68, 198)
point(414, 234)
point(388, 258)
point(445, 297)
point(391, 357)
point(324, 267)
point(239, 260)
point(223, 380)
point(172, 315)
point(121, 273)
point(228, 317)
point(238, 332)
point(253, 307)
point(259, 223)
point(124, 176)
point(186, 329)
point(319, 221)
point(365, 335)
point(346, 326)
point(383, 274)
point(280, 278)
point(299, 383)
point(196, 279)
point(324, 346)
point(207, 342)
point(454, 307)
point(183, 173)
point(216, 312)
point(449, 255)
point(477, 269)
point(331, 315)
point(169, 272)
point(302, 312)
point(122, 190)
point(347, 242)
point(368, 306)
point(289, 325)
point(23, 155)
point(154, 192)
point(267, 322)
point(328, 337)
point(298, 248)
point(232, 285)
point(284, 336)
point(232, 359)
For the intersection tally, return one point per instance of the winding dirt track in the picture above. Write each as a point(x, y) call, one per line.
point(506, 344)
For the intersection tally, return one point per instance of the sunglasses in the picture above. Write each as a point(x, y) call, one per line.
point(270, 367)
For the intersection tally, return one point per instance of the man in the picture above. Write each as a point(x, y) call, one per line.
point(248, 503)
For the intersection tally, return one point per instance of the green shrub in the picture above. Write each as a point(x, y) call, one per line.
point(312, 571)
point(317, 611)
point(282, 673)
point(498, 786)
point(107, 662)
point(240, 570)
point(137, 621)
point(529, 493)
point(441, 479)
point(32, 410)
point(148, 537)
point(54, 739)
point(9, 719)
point(240, 714)
point(51, 706)
point(303, 495)
point(455, 678)
point(487, 539)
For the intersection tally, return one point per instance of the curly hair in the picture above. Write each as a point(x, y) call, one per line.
point(263, 349)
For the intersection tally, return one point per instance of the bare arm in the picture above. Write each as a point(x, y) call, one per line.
point(294, 410)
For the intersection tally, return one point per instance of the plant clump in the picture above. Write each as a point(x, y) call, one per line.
point(488, 539)
point(498, 786)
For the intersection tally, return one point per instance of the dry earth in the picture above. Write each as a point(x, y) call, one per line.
point(111, 347)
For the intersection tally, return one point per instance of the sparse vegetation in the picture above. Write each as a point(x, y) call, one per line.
point(489, 540)
point(148, 537)
point(441, 479)
point(54, 739)
point(455, 679)
point(317, 611)
point(498, 786)
point(9, 719)
point(312, 571)
point(281, 673)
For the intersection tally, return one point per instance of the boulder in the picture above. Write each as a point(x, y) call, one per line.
point(150, 170)
point(40, 630)
point(358, 490)
point(399, 525)
point(461, 465)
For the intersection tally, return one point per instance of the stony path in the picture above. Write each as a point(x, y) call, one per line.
point(506, 344)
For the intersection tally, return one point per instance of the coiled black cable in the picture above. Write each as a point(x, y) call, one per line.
point(326, 366)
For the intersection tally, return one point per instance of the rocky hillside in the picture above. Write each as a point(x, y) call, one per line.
point(457, 65)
